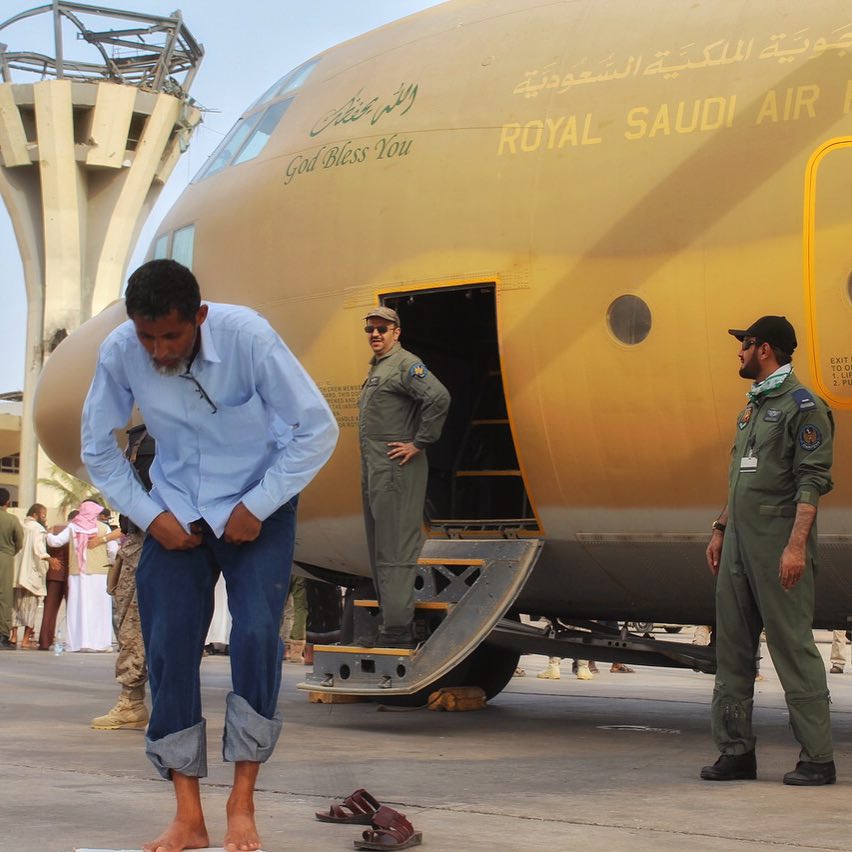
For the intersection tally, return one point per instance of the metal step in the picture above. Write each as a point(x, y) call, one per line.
point(438, 605)
point(477, 581)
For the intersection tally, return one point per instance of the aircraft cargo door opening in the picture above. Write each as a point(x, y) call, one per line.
point(828, 250)
point(475, 484)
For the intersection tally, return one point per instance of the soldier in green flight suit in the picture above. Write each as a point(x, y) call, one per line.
point(763, 552)
point(401, 411)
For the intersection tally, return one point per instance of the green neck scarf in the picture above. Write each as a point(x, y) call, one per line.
point(770, 382)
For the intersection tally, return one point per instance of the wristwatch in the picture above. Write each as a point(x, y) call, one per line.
point(718, 525)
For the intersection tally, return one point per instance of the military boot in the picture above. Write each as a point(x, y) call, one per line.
point(297, 651)
point(129, 713)
point(733, 767)
point(552, 671)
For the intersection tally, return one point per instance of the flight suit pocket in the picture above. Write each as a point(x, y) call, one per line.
point(390, 481)
point(778, 511)
point(381, 474)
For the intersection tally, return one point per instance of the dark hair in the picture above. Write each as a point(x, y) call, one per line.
point(159, 287)
point(73, 514)
point(4, 496)
point(781, 356)
point(34, 509)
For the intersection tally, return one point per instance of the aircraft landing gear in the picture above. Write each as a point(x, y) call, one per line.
point(491, 668)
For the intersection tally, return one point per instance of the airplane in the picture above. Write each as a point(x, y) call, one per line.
point(569, 204)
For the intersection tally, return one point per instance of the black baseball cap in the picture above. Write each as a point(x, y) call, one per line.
point(776, 331)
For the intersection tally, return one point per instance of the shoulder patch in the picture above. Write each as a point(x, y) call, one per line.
point(418, 371)
point(810, 437)
point(745, 416)
point(804, 399)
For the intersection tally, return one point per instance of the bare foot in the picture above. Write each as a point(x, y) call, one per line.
point(181, 835)
point(242, 832)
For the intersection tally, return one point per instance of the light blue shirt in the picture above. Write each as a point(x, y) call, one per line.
point(270, 435)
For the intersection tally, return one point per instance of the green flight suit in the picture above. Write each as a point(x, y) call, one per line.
point(400, 401)
point(790, 433)
point(11, 541)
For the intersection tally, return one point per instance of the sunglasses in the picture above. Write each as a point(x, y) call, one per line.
point(199, 389)
point(747, 344)
point(381, 329)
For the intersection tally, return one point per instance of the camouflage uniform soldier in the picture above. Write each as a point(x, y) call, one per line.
point(763, 551)
point(401, 411)
point(131, 670)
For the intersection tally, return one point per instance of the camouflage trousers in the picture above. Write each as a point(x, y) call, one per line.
point(295, 618)
point(131, 670)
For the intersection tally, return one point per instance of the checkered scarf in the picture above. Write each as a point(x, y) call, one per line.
point(770, 382)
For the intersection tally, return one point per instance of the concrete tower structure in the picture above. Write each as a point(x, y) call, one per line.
point(85, 152)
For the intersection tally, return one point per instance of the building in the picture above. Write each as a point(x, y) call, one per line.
point(11, 406)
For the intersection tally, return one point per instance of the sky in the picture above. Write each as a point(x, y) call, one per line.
point(248, 46)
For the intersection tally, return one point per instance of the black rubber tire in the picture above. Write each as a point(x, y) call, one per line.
point(491, 668)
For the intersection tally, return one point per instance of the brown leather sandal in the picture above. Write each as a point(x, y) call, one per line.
point(391, 830)
point(357, 809)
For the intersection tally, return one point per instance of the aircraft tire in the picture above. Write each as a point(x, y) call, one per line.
point(491, 668)
point(454, 677)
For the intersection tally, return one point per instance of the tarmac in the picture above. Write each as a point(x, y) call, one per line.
point(608, 764)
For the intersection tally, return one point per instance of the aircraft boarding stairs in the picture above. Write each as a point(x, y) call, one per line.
point(463, 589)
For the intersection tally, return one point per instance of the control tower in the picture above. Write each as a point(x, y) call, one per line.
point(85, 149)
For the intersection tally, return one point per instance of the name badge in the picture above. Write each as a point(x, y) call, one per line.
point(748, 464)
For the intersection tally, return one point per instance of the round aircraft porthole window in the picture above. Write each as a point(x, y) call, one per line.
point(629, 319)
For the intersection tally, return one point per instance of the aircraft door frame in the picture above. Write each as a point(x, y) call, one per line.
point(828, 307)
point(477, 484)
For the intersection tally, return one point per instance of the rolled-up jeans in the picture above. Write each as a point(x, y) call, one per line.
point(175, 595)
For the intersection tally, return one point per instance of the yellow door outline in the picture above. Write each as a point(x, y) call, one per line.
point(809, 262)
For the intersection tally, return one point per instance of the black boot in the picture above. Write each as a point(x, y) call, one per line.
point(732, 767)
point(366, 640)
point(807, 774)
point(396, 637)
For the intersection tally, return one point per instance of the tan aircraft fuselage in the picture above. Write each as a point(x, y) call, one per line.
point(566, 155)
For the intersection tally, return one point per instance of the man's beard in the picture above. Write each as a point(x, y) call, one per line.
point(171, 370)
point(750, 369)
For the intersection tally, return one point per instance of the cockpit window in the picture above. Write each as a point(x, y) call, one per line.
point(262, 131)
point(161, 247)
point(288, 83)
point(229, 146)
point(250, 134)
point(246, 140)
point(182, 244)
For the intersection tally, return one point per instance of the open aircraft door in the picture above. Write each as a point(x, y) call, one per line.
point(828, 269)
point(483, 533)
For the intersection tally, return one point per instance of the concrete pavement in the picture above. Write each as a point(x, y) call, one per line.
point(609, 764)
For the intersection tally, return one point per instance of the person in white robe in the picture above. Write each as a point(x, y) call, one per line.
point(31, 564)
point(219, 632)
point(89, 607)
